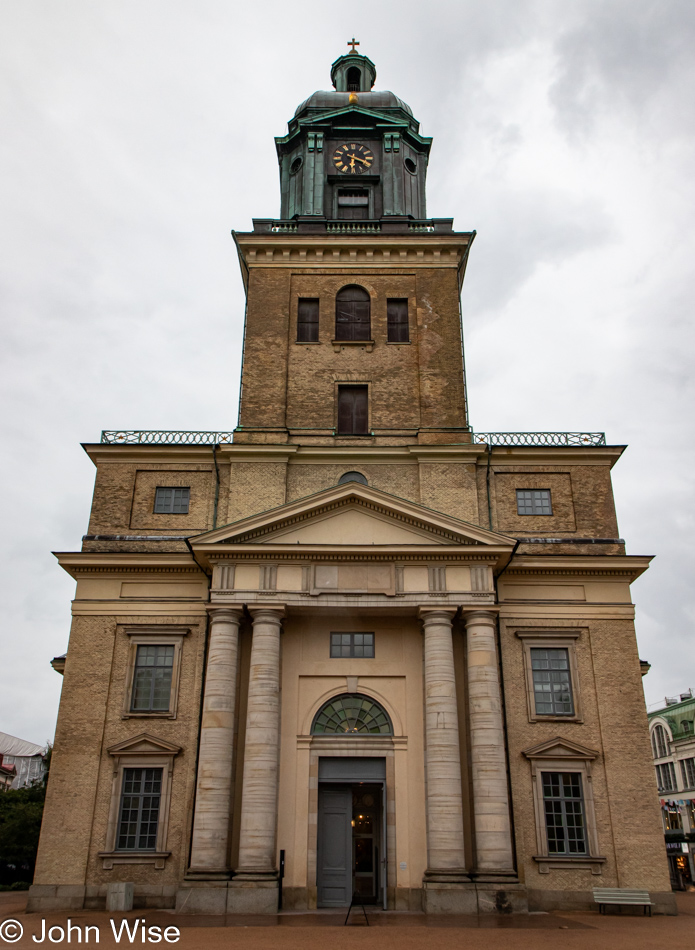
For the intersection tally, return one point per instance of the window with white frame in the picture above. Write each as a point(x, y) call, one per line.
point(659, 742)
point(666, 777)
point(688, 772)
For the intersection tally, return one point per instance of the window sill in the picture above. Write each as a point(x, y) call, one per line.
point(555, 862)
point(539, 717)
point(148, 715)
point(339, 344)
point(308, 342)
point(398, 342)
point(109, 858)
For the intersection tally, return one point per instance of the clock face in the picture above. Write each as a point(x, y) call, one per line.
point(353, 159)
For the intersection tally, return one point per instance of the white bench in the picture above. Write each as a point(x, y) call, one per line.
point(622, 895)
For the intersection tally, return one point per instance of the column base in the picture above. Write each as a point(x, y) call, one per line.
point(207, 874)
point(253, 892)
point(473, 898)
point(202, 897)
point(446, 876)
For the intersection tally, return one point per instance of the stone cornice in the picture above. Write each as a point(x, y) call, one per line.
point(616, 565)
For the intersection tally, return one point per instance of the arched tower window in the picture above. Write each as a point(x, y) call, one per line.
point(352, 714)
point(354, 79)
point(659, 742)
point(352, 314)
point(353, 477)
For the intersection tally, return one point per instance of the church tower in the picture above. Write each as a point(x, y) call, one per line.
point(352, 648)
point(353, 329)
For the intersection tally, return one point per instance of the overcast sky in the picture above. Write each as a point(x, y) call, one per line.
point(137, 133)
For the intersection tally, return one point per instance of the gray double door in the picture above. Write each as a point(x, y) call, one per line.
point(351, 839)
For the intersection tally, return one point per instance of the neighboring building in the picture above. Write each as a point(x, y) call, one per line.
point(673, 749)
point(27, 758)
point(353, 631)
point(8, 774)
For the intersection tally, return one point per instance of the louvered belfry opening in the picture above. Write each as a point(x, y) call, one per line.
point(353, 410)
point(352, 314)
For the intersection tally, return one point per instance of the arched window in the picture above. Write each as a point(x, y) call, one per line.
point(353, 477)
point(352, 714)
point(659, 742)
point(354, 78)
point(352, 314)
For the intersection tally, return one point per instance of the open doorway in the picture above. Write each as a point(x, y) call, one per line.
point(350, 843)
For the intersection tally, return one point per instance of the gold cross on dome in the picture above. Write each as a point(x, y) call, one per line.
point(353, 43)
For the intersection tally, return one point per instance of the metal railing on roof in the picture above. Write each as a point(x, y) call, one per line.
point(173, 437)
point(541, 438)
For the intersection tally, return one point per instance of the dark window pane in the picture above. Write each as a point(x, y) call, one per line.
point(352, 314)
point(552, 687)
point(564, 812)
point(352, 644)
point(353, 410)
point(533, 501)
point(152, 678)
point(397, 321)
point(307, 320)
point(172, 501)
point(139, 817)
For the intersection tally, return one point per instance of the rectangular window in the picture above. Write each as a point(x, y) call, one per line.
point(353, 411)
point(152, 679)
point(688, 770)
point(564, 813)
point(533, 502)
point(139, 813)
point(672, 817)
point(307, 320)
point(397, 320)
point(552, 685)
point(352, 644)
point(171, 501)
point(666, 777)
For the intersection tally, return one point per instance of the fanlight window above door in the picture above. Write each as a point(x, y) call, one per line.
point(352, 714)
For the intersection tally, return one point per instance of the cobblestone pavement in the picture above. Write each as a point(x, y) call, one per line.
point(387, 931)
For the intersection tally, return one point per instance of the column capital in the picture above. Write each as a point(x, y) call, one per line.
point(437, 614)
point(231, 614)
point(267, 613)
point(480, 615)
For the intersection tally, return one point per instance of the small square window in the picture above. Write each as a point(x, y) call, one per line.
point(172, 501)
point(352, 644)
point(534, 501)
point(308, 320)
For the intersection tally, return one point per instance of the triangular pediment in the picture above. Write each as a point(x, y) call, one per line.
point(356, 515)
point(144, 744)
point(559, 748)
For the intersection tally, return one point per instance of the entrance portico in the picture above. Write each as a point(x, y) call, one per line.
point(414, 582)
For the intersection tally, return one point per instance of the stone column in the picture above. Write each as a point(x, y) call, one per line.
point(445, 853)
point(493, 840)
point(214, 788)
point(257, 858)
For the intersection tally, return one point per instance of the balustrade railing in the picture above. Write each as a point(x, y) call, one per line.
point(172, 437)
point(541, 438)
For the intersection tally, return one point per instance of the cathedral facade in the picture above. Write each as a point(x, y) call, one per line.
point(351, 649)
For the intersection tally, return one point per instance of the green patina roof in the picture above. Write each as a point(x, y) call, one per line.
point(675, 715)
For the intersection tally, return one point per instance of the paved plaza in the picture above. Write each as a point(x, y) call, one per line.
point(628, 930)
